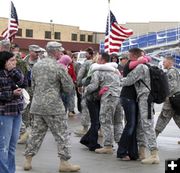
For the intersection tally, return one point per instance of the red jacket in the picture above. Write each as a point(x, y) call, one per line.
point(71, 72)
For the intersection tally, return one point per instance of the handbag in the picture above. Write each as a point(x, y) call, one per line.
point(175, 102)
point(26, 97)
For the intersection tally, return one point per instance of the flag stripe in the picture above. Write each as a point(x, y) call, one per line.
point(116, 35)
point(12, 29)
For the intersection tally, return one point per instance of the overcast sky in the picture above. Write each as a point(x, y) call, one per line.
point(91, 14)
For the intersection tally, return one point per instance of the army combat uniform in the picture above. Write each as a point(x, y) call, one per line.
point(26, 65)
point(83, 71)
point(48, 80)
point(167, 111)
point(145, 128)
point(110, 109)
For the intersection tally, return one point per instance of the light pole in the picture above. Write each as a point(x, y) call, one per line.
point(52, 29)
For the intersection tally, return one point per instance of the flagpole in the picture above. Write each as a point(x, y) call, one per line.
point(9, 19)
point(109, 26)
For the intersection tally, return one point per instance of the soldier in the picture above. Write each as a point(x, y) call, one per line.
point(108, 82)
point(21, 64)
point(77, 66)
point(29, 60)
point(49, 79)
point(5, 45)
point(85, 119)
point(174, 85)
point(145, 127)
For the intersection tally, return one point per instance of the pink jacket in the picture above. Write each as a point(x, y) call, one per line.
point(141, 60)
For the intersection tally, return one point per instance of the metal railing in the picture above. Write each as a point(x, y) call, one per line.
point(153, 39)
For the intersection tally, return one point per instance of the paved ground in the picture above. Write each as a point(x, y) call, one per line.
point(46, 160)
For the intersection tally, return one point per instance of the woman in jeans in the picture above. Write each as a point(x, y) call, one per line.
point(127, 146)
point(11, 106)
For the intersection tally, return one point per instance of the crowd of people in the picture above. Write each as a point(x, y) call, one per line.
point(111, 100)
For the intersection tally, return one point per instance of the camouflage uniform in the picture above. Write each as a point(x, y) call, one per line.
point(5, 45)
point(49, 79)
point(167, 111)
point(71, 101)
point(22, 65)
point(110, 111)
point(27, 117)
point(83, 71)
point(145, 129)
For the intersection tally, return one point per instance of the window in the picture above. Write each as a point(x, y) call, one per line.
point(19, 32)
point(29, 33)
point(74, 37)
point(48, 34)
point(90, 38)
point(57, 35)
point(82, 37)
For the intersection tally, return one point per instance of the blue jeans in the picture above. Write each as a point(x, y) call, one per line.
point(9, 134)
point(127, 145)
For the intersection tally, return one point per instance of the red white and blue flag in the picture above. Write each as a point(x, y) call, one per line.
point(115, 35)
point(12, 28)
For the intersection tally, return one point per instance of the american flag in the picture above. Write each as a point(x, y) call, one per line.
point(115, 35)
point(12, 28)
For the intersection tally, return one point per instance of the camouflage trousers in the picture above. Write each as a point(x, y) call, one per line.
point(59, 128)
point(145, 129)
point(71, 101)
point(27, 119)
point(85, 118)
point(165, 116)
point(111, 119)
point(23, 128)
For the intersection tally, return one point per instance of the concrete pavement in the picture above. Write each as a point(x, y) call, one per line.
point(46, 161)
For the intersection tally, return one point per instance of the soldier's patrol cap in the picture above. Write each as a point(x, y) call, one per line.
point(5, 43)
point(53, 45)
point(123, 56)
point(34, 48)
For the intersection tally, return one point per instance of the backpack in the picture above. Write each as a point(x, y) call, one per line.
point(159, 87)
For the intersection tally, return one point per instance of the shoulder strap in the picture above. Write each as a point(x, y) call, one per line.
point(143, 81)
point(145, 85)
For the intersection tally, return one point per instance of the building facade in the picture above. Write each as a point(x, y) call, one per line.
point(40, 33)
point(72, 38)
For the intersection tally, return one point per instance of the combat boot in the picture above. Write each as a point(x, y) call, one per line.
point(27, 164)
point(23, 138)
point(152, 159)
point(142, 151)
point(81, 132)
point(105, 150)
point(65, 166)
